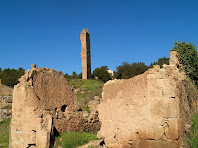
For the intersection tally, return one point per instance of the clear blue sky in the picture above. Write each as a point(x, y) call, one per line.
point(47, 32)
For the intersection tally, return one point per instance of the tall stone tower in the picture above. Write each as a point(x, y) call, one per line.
point(85, 54)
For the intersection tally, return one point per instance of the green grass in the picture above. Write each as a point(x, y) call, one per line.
point(92, 86)
point(4, 133)
point(193, 137)
point(72, 139)
point(87, 90)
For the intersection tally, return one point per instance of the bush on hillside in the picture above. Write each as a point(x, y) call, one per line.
point(102, 74)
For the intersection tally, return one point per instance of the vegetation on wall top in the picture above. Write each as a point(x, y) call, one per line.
point(188, 57)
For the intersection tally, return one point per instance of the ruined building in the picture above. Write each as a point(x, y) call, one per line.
point(44, 104)
point(85, 54)
point(144, 111)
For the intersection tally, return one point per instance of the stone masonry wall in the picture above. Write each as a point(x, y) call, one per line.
point(5, 90)
point(85, 54)
point(5, 107)
point(142, 111)
point(44, 103)
point(41, 96)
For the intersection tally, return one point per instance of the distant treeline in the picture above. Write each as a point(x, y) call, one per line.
point(188, 57)
point(10, 77)
point(124, 71)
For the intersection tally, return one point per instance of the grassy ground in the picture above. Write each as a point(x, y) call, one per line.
point(193, 137)
point(87, 89)
point(73, 139)
point(4, 134)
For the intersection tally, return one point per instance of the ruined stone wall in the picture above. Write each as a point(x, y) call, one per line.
point(5, 101)
point(44, 103)
point(5, 107)
point(42, 95)
point(5, 90)
point(85, 54)
point(142, 111)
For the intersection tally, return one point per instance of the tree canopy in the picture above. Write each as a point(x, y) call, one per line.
point(160, 62)
point(102, 74)
point(126, 70)
point(10, 77)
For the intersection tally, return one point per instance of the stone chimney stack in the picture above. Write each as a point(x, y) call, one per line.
point(85, 54)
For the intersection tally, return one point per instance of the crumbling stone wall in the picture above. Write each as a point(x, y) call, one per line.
point(44, 103)
point(85, 54)
point(143, 111)
point(5, 107)
point(5, 101)
point(5, 90)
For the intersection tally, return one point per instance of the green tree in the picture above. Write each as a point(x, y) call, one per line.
point(10, 77)
point(160, 62)
point(74, 75)
point(138, 68)
point(188, 56)
point(126, 70)
point(102, 74)
point(80, 76)
point(66, 75)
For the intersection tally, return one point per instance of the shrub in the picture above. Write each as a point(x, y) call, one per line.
point(102, 74)
point(188, 56)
